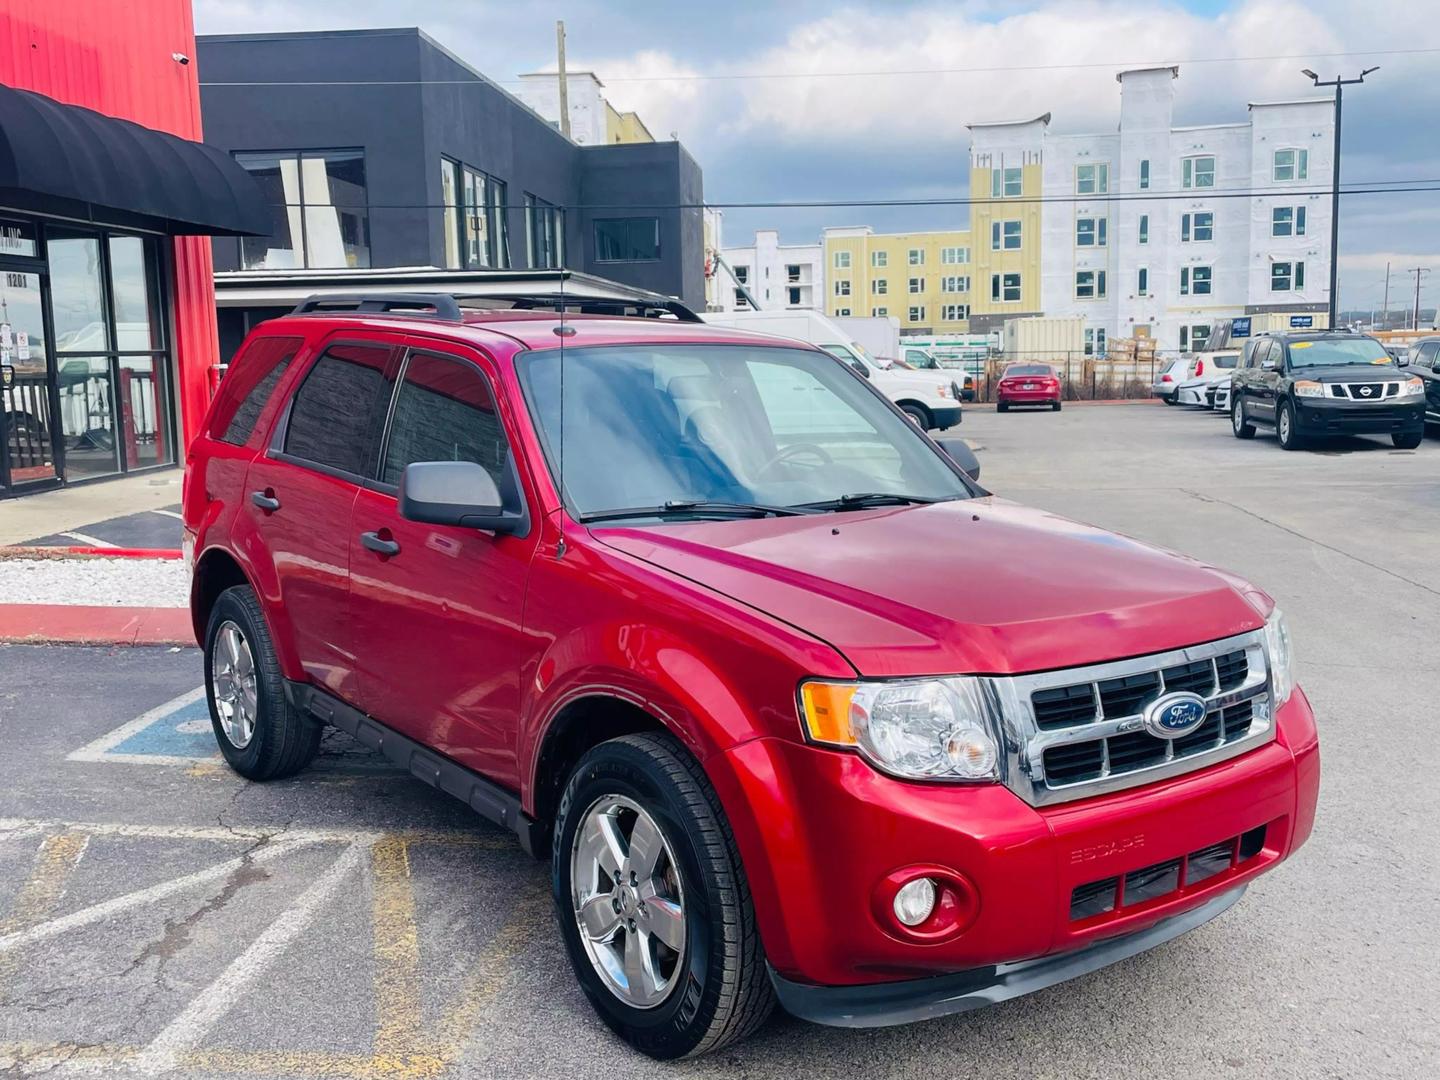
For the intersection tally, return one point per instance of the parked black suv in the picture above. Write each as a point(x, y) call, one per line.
point(1423, 360)
point(1325, 383)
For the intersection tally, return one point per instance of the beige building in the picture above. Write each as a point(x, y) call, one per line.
point(924, 279)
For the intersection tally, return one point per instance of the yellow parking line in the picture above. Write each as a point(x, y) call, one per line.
point(42, 890)
point(397, 949)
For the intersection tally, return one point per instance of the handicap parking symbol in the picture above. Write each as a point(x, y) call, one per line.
point(175, 733)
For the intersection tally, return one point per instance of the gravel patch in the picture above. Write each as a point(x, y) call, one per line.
point(96, 582)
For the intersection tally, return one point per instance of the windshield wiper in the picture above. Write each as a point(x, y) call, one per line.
point(861, 499)
point(692, 507)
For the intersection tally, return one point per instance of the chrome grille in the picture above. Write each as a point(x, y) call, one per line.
point(1078, 732)
point(1366, 391)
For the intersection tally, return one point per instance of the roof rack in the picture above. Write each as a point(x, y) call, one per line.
point(451, 306)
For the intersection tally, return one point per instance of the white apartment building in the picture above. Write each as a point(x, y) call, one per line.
point(1154, 243)
point(593, 120)
point(777, 275)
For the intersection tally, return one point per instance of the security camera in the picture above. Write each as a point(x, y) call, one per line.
point(180, 58)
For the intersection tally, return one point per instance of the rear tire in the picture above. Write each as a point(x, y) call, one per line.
point(1238, 423)
point(1055, 407)
point(1285, 427)
point(716, 986)
point(1170, 400)
point(1000, 406)
point(260, 735)
point(1408, 440)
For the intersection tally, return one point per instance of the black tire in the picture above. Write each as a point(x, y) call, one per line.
point(1408, 440)
point(1055, 407)
point(1238, 425)
point(1170, 400)
point(1286, 432)
point(722, 989)
point(919, 414)
point(284, 741)
point(1000, 406)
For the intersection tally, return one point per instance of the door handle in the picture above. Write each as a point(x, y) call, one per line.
point(265, 500)
point(378, 544)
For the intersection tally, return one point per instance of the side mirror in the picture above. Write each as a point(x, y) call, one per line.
point(958, 450)
point(861, 368)
point(456, 493)
point(1269, 365)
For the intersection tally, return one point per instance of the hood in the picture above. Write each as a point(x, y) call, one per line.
point(1350, 373)
point(974, 586)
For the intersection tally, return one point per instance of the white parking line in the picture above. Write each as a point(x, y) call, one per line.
point(99, 749)
point(209, 1006)
point(104, 910)
point(170, 513)
point(88, 541)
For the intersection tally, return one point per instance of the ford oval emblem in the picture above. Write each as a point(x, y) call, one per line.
point(1174, 715)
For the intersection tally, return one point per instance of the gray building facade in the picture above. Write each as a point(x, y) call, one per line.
point(379, 148)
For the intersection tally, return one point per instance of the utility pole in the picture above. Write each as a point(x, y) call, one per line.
point(565, 81)
point(1339, 84)
point(1387, 296)
point(1417, 271)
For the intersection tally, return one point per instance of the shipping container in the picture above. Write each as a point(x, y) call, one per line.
point(1042, 338)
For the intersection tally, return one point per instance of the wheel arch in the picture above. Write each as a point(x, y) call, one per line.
point(217, 570)
point(912, 403)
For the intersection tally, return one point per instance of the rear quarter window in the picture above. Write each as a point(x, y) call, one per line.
point(248, 386)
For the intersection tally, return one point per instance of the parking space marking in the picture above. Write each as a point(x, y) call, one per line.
point(490, 838)
point(209, 1006)
point(148, 740)
point(397, 949)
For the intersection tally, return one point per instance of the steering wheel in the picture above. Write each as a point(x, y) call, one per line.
point(797, 450)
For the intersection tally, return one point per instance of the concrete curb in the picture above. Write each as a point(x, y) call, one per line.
point(17, 551)
point(75, 624)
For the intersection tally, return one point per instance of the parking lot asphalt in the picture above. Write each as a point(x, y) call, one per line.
point(160, 916)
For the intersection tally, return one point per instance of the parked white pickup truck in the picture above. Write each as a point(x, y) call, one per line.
point(931, 398)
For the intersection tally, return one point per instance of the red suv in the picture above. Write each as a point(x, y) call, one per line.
point(626, 586)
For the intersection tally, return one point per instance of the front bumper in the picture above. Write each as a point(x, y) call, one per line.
point(1339, 416)
point(818, 829)
point(885, 1004)
point(946, 416)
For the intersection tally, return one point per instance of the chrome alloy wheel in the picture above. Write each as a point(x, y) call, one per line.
point(237, 700)
point(628, 901)
point(1284, 431)
point(1237, 414)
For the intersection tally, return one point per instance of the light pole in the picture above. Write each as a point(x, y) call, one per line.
point(1339, 84)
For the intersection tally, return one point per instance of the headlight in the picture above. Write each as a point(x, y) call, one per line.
point(1413, 388)
point(943, 390)
point(1308, 388)
point(925, 729)
point(1277, 653)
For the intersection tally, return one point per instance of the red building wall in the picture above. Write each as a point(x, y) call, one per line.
point(115, 56)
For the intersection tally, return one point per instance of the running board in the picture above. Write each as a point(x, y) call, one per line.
point(485, 797)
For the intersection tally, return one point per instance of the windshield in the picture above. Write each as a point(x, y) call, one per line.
point(1323, 352)
point(647, 425)
point(921, 361)
point(1027, 369)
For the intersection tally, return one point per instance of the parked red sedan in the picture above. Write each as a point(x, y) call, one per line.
point(1028, 384)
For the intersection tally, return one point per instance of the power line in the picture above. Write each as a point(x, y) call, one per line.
point(871, 74)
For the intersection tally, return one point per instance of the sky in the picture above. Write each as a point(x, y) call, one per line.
point(800, 100)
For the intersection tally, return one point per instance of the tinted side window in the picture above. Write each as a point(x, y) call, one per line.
point(1427, 353)
point(335, 420)
point(247, 386)
point(445, 412)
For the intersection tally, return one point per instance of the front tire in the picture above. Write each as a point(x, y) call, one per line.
point(1285, 427)
point(1169, 400)
point(1238, 424)
point(667, 952)
point(260, 735)
point(1408, 440)
point(919, 414)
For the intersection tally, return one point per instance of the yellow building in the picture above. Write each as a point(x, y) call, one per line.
point(924, 279)
point(1005, 220)
point(625, 127)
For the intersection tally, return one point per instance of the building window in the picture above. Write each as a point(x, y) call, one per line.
point(880, 259)
point(742, 275)
point(879, 312)
point(880, 286)
point(955, 312)
point(1287, 221)
point(793, 296)
point(792, 273)
point(450, 216)
point(741, 303)
point(544, 234)
point(917, 256)
point(842, 260)
point(1197, 227)
point(1142, 281)
point(627, 239)
point(1092, 179)
point(843, 312)
point(1193, 338)
point(1089, 284)
point(955, 256)
point(954, 284)
point(476, 233)
point(1195, 281)
point(1197, 172)
point(1090, 232)
point(842, 286)
point(1006, 183)
point(1285, 276)
point(1144, 228)
point(917, 284)
point(1005, 288)
point(1004, 236)
point(319, 206)
point(1144, 183)
point(1094, 341)
point(1290, 165)
point(917, 314)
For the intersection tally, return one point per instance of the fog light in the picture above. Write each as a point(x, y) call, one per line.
point(915, 901)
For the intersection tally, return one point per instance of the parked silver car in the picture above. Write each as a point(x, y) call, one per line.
point(1169, 377)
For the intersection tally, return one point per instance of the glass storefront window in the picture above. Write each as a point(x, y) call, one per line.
point(130, 278)
point(28, 447)
point(320, 210)
point(86, 419)
point(76, 286)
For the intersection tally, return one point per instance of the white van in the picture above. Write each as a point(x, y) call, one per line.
point(932, 399)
